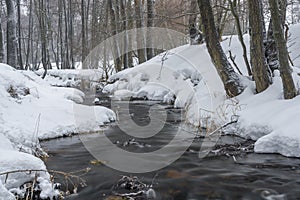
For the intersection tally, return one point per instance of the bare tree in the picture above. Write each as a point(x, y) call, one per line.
point(140, 35)
point(289, 88)
point(29, 40)
point(258, 61)
point(230, 79)
point(233, 8)
point(193, 22)
point(83, 30)
point(150, 23)
point(114, 28)
point(20, 59)
point(1, 39)
point(11, 33)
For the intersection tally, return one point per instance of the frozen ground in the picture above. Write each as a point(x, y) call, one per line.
point(30, 109)
point(186, 76)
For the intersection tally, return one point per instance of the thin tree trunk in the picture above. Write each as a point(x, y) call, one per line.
point(71, 34)
point(130, 26)
point(29, 40)
point(60, 35)
point(124, 28)
point(233, 9)
point(11, 34)
point(140, 35)
point(66, 46)
point(227, 74)
point(21, 66)
point(150, 23)
point(83, 30)
point(41, 14)
point(289, 88)
point(115, 48)
point(1, 38)
point(258, 62)
point(193, 22)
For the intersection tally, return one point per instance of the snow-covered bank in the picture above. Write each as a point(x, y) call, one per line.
point(74, 78)
point(30, 109)
point(169, 77)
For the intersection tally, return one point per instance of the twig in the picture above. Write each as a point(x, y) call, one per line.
point(234, 63)
point(69, 175)
point(224, 126)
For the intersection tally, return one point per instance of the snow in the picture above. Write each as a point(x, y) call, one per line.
point(187, 76)
point(30, 109)
point(72, 77)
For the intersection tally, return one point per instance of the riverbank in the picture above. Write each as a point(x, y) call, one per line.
point(31, 110)
point(187, 76)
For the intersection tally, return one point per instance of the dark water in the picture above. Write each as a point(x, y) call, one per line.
point(251, 176)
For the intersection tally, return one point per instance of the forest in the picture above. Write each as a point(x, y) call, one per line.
point(149, 99)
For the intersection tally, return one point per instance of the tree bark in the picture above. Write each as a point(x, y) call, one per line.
point(114, 28)
point(140, 35)
point(124, 28)
point(258, 61)
point(29, 40)
point(1, 40)
point(11, 34)
point(150, 23)
point(130, 27)
point(83, 31)
point(289, 88)
point(227, 74)
point(193, 32)
point(20, 58)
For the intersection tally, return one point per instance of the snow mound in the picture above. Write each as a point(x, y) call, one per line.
point(30, 109)
point(73, 78)
point(265, 117)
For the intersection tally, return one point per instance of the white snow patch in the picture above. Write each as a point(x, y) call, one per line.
point(30, 109)
point(265, 117)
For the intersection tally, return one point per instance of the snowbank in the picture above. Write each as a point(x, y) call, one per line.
point(30, 109)
point(264, 117)
point(74, 78)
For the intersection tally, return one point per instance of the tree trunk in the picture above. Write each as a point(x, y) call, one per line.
point(11, 34)
point(124, 28)
point(115, 48)
point(41, 14)
point(21, 66)
point(130, 27)
point(230, 79)
point(60, 40)
point(258, 62)
point(66, 42)
point(271, 47)
point(71, 34)
point(29, 40)
point(140, 35)
point(233, 8)
point(289, 88)
point(83, 31)
point(150, 23)
point(1, 40)
point(193, 32)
